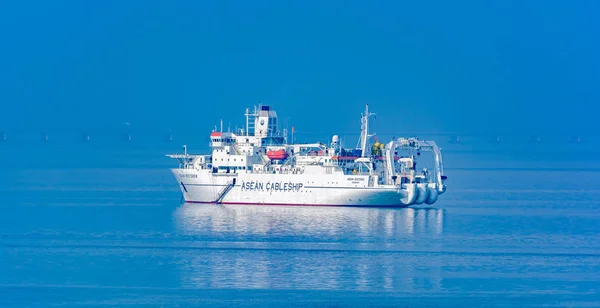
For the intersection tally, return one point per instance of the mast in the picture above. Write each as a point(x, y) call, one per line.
point(364, 132)
point(250, 125)
point(247, 115)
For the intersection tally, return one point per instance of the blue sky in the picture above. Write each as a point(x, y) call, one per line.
point(182, 65)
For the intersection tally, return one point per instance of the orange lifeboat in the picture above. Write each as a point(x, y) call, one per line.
point(277, 154)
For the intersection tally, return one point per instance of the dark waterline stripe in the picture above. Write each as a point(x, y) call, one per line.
point(310, 249)
point(299, 204)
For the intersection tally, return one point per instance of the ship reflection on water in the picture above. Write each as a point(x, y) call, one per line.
point(365, 249)
point(245, 220)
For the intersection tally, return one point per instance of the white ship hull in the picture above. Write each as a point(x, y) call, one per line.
point(200, 186)
point(257, 165)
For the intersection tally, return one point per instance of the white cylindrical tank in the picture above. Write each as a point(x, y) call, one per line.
point(432, 193)
point(409, 194)
point(423, 193)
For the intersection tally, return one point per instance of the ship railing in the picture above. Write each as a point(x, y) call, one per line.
point(272, 171)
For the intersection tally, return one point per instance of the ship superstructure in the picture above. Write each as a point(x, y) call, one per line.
point(257, 165)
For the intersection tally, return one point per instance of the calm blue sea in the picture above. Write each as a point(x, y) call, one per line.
point(100, 223)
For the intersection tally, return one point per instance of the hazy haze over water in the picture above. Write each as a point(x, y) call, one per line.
point(99, 222)
point(109, 230)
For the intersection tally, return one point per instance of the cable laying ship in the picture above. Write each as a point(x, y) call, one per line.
point(258, 166)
